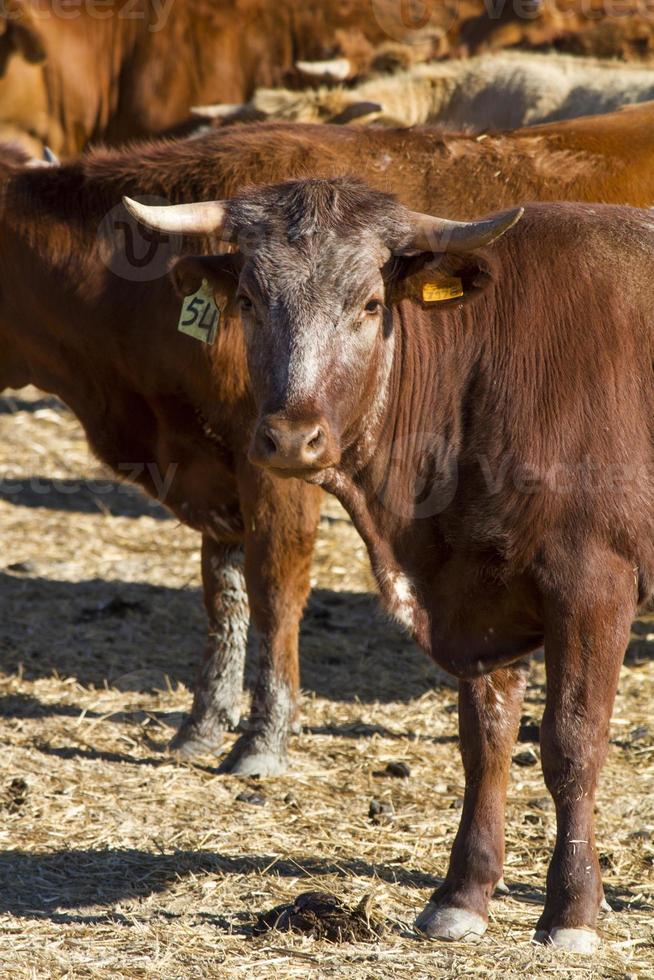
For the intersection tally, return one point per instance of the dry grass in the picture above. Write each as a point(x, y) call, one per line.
point(118, 862)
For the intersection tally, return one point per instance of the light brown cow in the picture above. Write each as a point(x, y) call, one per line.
point(134, 67)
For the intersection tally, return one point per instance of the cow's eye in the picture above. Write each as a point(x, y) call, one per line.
point(245, 302)
point(373, 306)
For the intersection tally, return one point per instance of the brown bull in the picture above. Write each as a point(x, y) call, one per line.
point(485, 416)
point(147, 394)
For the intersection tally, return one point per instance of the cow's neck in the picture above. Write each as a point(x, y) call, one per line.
point(407, 481)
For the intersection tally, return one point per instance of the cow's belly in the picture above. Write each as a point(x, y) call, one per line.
point(477, 626)
point(171, 455)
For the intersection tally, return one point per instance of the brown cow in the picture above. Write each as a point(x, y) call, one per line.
point(595, 158)
point(67, 295)
point(134, 67)
point(485, 416)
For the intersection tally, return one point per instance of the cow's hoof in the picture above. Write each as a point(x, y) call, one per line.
point(574, 940)
point(191, 741)
point(501, 888)
point(451, 924)
point(247, 758)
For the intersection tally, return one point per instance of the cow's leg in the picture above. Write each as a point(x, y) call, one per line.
point(489, 716)
point(219, 685)
point(280, 518)
point(587, 631)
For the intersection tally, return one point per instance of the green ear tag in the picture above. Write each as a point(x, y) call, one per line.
point(200, 316)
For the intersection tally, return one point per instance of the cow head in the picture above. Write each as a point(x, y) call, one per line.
point(318, 266)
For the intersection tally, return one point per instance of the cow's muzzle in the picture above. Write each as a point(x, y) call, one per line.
point(293, 447)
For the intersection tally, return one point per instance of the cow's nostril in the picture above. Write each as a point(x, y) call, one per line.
point(316, 440)
point(268, 444)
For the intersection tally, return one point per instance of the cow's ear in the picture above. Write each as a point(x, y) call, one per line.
point(220, 271)
point(435, 281)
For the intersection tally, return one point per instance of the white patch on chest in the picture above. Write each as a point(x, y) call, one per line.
point(400, 598)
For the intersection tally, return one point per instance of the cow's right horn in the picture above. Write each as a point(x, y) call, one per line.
point(202, 218)
point(337, 68)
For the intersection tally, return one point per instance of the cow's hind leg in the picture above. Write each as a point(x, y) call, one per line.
point(489, 715)
point(587, 630)
point(219, 685)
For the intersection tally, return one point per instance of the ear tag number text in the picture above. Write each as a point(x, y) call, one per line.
point(200, 316)
point(450, 287)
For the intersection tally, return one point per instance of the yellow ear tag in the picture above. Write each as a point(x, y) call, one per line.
point(436, 292)
point(200, 316)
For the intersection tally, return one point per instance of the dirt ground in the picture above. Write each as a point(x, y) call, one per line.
point(117, 861)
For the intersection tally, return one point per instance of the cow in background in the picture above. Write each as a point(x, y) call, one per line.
point(491, 92)
point(83, 73)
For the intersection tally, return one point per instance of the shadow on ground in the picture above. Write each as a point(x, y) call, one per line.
point(42, 884)
point(141, 637)
point(96, 496)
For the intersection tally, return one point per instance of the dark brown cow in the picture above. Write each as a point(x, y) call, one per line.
point(485, 416)
point(90, 316)
point(84, 71)
point(143, 399)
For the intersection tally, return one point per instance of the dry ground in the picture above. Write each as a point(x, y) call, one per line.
point(116, 861)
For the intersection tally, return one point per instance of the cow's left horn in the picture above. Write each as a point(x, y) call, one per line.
point(337, 68)
point(203, 218)
point(440, 235)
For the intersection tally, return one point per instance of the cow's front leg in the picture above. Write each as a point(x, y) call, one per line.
point(219, 685)
point(489, 715)
point(586, 636)
point(280, 518)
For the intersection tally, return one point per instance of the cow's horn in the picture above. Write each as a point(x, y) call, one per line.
point(440, 235)
point(218, 111)
point(50, 157)
point(337, 68)
point(203, 218)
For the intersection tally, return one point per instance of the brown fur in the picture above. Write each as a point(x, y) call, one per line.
point(503, 484)
point(109, 347)
point(137, 72)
